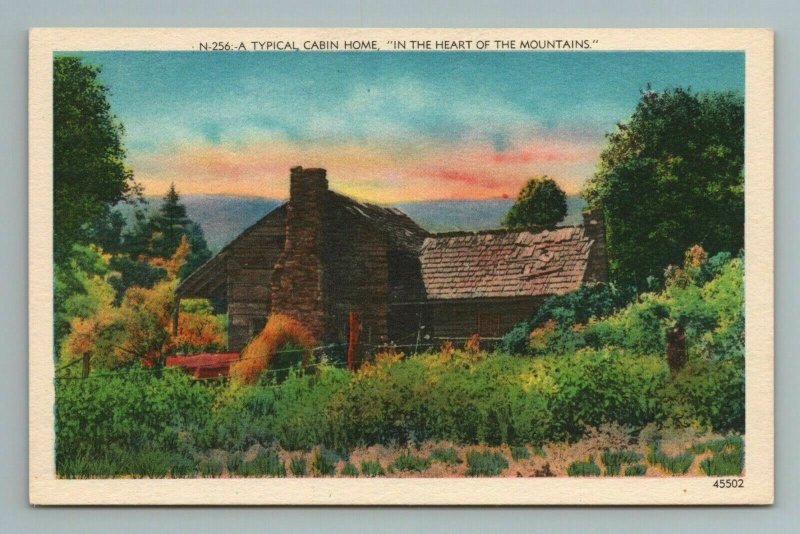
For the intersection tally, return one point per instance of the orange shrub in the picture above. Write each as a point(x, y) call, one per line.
point(279, 331)
point(473, 344)
point(199, 330)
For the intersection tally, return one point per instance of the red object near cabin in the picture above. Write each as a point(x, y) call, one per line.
point(206, 365)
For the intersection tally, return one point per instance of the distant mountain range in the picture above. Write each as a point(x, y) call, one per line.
point(224, 217)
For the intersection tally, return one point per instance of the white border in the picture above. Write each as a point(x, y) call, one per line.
point(45, 488)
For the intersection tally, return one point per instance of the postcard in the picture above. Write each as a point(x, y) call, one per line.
point(401, 266)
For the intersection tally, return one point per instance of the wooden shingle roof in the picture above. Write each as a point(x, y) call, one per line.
point(504, 263)
point(401, 230)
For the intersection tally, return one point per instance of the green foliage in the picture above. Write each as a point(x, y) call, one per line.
point(575, 307)
point(116, 462)
point(235, 461)
point(210, 467)
point(584, 469)
point(372, 468)
point(293, 414)
point(89, 172)
point(727, 463)
point(447, 456)
point(613, 460)
point(265, 463)
point(520, 453)
point(129, 273)
point(324, 462)
point(349, 470)
point(636, 470)
point(407, 461)
point(671, 177)
point(168, 226)
point(485, 463)
point(540, 204)
point(297, 466)
point(677, 465)
point(131, 411)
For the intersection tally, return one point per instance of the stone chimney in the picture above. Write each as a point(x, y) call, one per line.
point(595, 229)
point(297, 283)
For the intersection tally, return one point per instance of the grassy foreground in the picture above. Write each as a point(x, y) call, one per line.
point(602, 453)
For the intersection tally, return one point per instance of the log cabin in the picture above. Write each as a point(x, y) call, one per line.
point(322, 257)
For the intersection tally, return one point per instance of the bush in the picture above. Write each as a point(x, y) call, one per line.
point(372, 468)
point(410, 462)
point(269, 346)
point(584, 469)
point(265, 463)
point(293, 414)
point(146, 463)
point(485, 463)
point(565, 311)
point(677, 465)
point(520, 453)
point(210, 467)
point(636, 470)
point(728, 463)
point(447, 456)
point(613, 460)
point(324, 462)
point(297, 466)
point(131, 411)
point(349, 470)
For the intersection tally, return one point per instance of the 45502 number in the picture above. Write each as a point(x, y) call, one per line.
point(724, 483)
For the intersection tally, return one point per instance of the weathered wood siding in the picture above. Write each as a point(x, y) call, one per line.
point(250, 263)
point(486, 317)
point(356, 268)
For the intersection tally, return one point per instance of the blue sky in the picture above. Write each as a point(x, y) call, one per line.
point(387, 125)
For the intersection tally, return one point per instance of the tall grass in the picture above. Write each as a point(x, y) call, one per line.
point(676, 465)
point(485, 463)
point(584, 469)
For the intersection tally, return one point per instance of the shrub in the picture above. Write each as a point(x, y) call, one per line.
point(635, 470)
point(485, 463)
point(613, 460)
point(520, 453)
point(262, 351)
point(324, 462)
point(265, 463)
point(235, 461)
point(210, 467)
point(576, 307)
point(584, 469)
point(294, 413)
point(297, 465)
point(410, 462)
point(131, 411)
point(677, 465)
point(728, 463)
point(349, 470)
point(372, 468)
point(447, 456)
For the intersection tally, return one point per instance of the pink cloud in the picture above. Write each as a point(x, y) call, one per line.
point(420, 170)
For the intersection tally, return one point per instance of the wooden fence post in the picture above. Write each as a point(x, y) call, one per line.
point(676, 348)
point(354, 326)
point(86, 367)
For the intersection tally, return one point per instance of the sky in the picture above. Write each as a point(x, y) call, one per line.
point(388, 126)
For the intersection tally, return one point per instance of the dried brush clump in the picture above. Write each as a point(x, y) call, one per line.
point(258, 355)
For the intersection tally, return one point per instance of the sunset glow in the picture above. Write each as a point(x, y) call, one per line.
point(388, 127)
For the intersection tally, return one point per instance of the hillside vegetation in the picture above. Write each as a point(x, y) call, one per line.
point(579, 372)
